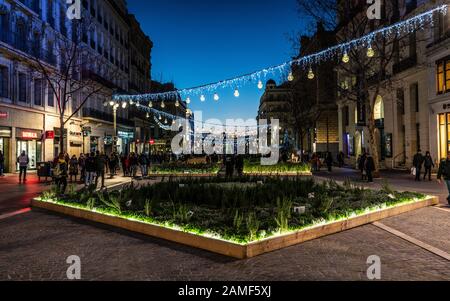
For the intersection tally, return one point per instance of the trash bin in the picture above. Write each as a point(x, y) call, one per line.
point(44, 170)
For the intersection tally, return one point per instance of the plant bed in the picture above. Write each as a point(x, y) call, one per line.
point(281, 169)
point(184, 170)
point(241, 219)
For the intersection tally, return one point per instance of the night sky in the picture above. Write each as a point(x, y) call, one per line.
point(199, 41)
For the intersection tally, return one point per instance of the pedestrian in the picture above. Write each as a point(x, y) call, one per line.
point(133, 164)
point(369, 167)
point(429, 165)
point(417, 164)
point(143, 164)
point(60, 174)
point(73, 168)
point(90, 170)
point(444, 171)
point(82, 165)
point(100, 165)
point(340, 159)
point(2, 164)
point(329, 162)
point(23, 162)
point(362, 165)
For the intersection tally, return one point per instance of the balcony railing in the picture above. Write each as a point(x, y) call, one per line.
point(93, 113)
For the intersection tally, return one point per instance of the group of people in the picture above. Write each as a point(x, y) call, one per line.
point(366, 165)
point(233, 163)
point(420, 161)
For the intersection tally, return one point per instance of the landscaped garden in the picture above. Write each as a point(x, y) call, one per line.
point(255, 167)
point(242, 211)
point(180, 168)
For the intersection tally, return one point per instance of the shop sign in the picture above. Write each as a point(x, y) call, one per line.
point(4, 115)
point(125, 135)
point(152, 141)
point(29, 135)
point(76, 144)
point(75, 134)
point(50, 135)
point(5, 132)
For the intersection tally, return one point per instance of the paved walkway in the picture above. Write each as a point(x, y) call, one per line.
point(400, 181)
point(15, 196)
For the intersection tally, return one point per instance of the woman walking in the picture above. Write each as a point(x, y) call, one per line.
point(73, 168)
point(429, 165)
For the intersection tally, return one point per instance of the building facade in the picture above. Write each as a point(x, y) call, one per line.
point(29, 116)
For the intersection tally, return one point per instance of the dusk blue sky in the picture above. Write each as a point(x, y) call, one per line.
point(202, 41)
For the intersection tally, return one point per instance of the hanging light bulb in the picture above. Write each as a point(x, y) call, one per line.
point(160, 118)
point(202, 98)
point(111, 103)
point(173, 122)
point(236, 93)
point(165, 121)
point(163, 105)
point(105, 103)
point(188, 100)
point(150, 104)
point(177, 103)
point(370, 52)
point(216, 97)
point(131, 102)
point(148, 115)
point(345, 58)
point(124, 105)
point(311, 73)
point(290, 77)
point(260, 85)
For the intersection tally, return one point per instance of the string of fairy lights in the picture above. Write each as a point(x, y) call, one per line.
point(148, 102)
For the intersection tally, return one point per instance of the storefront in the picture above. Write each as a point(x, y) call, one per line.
point(124, 140)
point(5, 138)
point(30, 142)
point(444, 134)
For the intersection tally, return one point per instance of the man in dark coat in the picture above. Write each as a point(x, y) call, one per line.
point(444, 171)
point(100, 164)
point(370, 168)
point(417, 164)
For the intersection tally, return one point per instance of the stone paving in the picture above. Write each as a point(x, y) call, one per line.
point(35, 246)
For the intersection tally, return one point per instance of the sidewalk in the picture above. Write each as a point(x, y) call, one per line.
point(15, 196)
point(401, 181)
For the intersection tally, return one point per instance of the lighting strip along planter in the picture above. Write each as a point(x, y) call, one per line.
point(183, 175)
point(278, 174)
point(239, 251)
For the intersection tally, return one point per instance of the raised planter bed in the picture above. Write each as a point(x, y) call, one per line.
point(240, 251)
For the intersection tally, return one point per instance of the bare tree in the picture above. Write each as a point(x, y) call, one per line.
point(71, 67)
point(368, 73)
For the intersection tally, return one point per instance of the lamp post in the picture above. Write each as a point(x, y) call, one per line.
point(115, 106)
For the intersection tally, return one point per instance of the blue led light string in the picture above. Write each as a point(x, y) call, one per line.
point(410, 25)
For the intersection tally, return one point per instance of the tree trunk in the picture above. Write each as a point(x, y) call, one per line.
point(61, 135)
point(374, 150)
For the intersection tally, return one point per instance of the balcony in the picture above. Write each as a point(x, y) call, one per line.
point(100, 115)
point(92, 75)
point(404, 65)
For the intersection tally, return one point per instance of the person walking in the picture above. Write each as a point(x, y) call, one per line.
point(369, 167)
point(340, 159)
point(23, 162)
point(90, 170)
point(113, 161)
point(143, 164)
point(2, 164)
point(82, 165)
point(429, 165)
point(418, 163)
point(60, 174)
point(329, 162)
point(362, 166)
point(133, 164)
point(73, 168)
point(444, 171)
point(100, 165)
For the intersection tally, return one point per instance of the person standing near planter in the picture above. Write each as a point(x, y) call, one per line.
point(90, 170)
point(369, 167)
point(429, 165)
point(100, 164)
point(444, 171)
point(60, 174)
point(73, 168)
point(418, 163)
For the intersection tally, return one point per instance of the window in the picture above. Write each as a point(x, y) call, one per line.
point(4, 81)
point(51, 96)
point(418, 135)
point(401, 101)
point(443, 76)
point(22, 87)
point(414, 91)
point(38, 91)
point(4, 25)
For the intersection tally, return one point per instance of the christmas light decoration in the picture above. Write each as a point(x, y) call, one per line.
point(124, 105)
point(236, 93)
point(311, 74)
point(202, 98)
point(163, 105)
point(260, 85)
point(216, 97)
point(177, 103)
point(188, 100)
point(398, 29)
point(290, 77)
point(150, 104)
point(345, 58)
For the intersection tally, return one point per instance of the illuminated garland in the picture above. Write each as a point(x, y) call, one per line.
point(306, 62)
